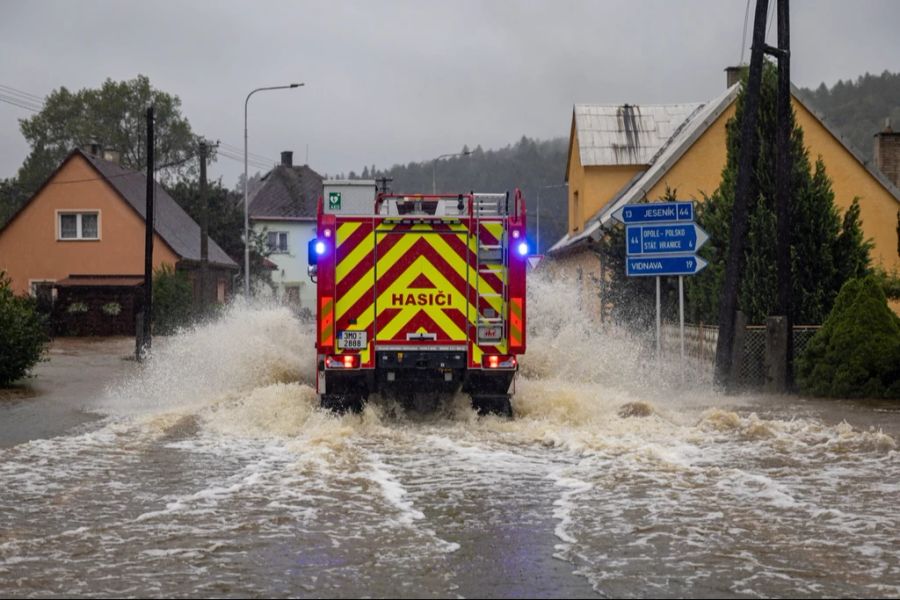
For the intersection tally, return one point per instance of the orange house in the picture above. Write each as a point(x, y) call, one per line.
point(85, 227)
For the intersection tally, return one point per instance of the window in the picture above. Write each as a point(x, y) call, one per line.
point(79, 226)
point(277, 242)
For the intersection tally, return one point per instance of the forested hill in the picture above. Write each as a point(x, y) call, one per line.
point(536, 167)
point(857, 109)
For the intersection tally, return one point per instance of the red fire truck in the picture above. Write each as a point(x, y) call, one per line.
point(420, 296)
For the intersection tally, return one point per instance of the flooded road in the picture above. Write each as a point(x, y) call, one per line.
point(212, 472)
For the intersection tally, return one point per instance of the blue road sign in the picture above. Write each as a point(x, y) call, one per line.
point(670, 238)
point(655, 212)
point(656, 266)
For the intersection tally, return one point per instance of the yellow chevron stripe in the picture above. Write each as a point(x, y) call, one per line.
point(356, 255)
point(348, 300)
point(345, 230)
point(401, 286)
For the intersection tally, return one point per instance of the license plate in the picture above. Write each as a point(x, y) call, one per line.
point(352, 340)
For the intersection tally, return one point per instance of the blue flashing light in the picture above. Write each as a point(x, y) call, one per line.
point(320, 248)
point(523, 249)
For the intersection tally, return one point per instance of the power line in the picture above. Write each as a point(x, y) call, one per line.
point(744, 36)
point(22, 93)
point(18, 103)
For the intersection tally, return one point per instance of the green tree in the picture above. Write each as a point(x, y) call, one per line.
point(824, 252)
point(23, 333)
point(226, 223)
point(857, 109)
point(12, 197)
point(857, 352)
point(172, 300)
point(114, 116)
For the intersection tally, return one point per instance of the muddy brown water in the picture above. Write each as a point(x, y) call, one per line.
point(210, 472)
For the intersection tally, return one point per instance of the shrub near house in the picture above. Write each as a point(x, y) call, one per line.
point(22, 334)
point(856, 354)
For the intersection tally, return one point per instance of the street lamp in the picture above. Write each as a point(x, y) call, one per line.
point(434, 162)
point(247, 185)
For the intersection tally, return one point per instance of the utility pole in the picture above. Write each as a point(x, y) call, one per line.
point(725, 369)
point(145, 342)
point(383, 184)
point(783, 193)
point(204, 233)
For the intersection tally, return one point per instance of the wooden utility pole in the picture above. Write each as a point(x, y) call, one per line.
point(204, 233)
point(744, 191)
point(145, 343)
point(783, 193)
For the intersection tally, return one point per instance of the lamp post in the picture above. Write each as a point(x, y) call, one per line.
point(434, 162)
point(247, 185)
point(543, 187)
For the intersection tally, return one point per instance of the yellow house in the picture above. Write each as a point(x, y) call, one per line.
point(620, 154)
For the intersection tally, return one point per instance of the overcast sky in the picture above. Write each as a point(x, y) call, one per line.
point(393, 82)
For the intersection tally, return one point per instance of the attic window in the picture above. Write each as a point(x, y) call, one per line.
point(78, 226)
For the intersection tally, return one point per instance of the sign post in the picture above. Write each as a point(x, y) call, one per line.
point(661, 240)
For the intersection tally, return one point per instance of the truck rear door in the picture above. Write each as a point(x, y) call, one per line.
point(422, 286)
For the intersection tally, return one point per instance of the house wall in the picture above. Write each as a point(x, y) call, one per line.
point(699, 171)
point(291, 272)
point(849, 178)
point(30, 251)
point(594, 186)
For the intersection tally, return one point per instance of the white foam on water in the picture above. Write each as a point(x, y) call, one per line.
point(219, 439)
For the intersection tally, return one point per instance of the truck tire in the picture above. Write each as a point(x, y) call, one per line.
point(341, 403)
point(492, 404)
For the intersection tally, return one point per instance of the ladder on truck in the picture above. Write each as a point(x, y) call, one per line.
point(490, 206)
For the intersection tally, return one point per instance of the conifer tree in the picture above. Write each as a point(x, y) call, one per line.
point(824, 253)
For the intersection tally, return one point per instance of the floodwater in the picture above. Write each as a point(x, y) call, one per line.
point(211, 472)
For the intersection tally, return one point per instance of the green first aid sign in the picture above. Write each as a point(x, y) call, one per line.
point(334, 200)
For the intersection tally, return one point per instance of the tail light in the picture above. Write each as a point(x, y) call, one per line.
point(342, 361)
point(499, 361)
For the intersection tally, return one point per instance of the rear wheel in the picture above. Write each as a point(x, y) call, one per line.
point(342, 403)
point(492, 404)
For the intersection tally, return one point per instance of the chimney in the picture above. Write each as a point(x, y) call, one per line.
point(733, 75)
point(887, 152)
point(287, 158)
point(95, 149)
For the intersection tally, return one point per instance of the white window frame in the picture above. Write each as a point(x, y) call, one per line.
point(78, 227)
point(277, 249)
point(31, 290)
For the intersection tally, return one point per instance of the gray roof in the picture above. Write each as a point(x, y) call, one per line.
point(680, 139)
point(612, 134)
point(171, 222)
point(287, 194)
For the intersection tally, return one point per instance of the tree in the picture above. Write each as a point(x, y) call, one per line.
point(113, 116)
point(857, 351)
point(23, 333)
point(824, 251)
point(12, 197)
point(226, 223)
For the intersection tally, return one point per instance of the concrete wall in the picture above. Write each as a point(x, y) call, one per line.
point(30, 250)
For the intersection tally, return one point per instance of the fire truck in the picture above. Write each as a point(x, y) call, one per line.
point(418, 296)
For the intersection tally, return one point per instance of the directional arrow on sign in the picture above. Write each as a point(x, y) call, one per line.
point(655, 266)
point(669, 238)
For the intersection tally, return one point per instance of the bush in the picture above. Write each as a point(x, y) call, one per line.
point(23, 333)
point(172, 300)
point(856, 354)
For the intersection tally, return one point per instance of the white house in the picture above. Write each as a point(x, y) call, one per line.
point(284, 207)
